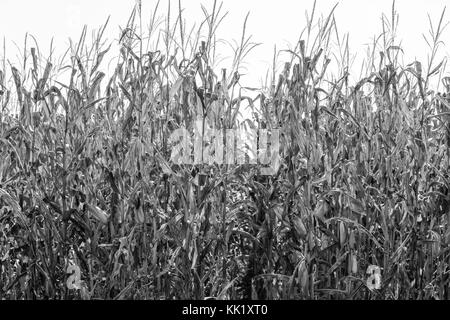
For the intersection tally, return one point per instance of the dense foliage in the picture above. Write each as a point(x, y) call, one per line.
point(86, 178)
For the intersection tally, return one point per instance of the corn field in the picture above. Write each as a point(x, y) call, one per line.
point(91, 206)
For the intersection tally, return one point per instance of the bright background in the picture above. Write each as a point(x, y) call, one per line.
point(271, 22)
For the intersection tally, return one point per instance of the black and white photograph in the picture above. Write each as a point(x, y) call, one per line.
point(224, 154)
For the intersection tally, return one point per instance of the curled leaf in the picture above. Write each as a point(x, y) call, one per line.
point(299, 227)
point(322, 208)
point(99, 214)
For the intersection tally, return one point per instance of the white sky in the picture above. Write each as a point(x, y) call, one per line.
point(271, 22)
